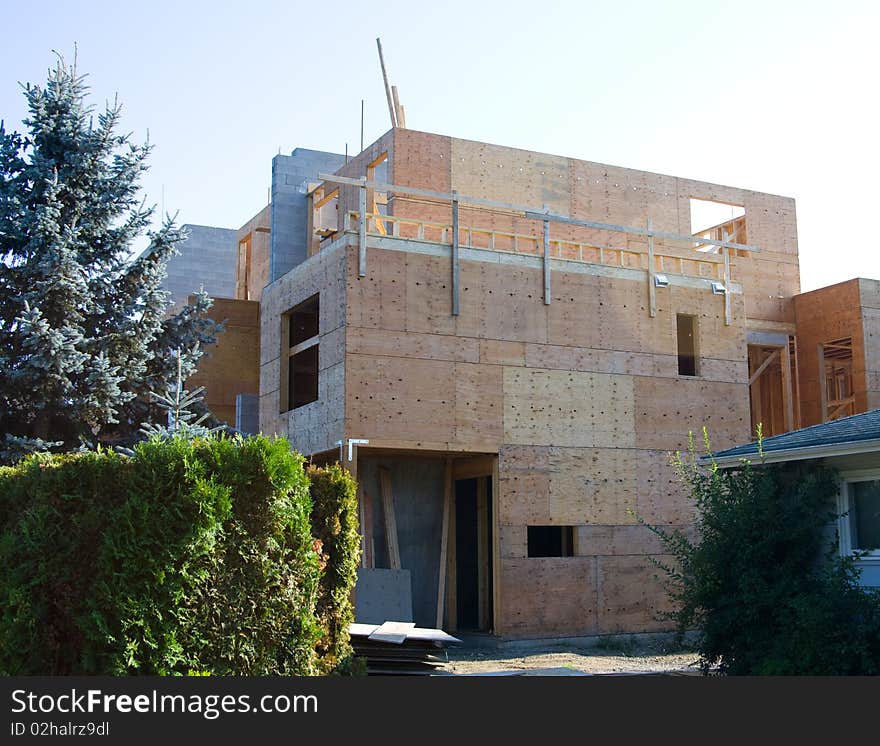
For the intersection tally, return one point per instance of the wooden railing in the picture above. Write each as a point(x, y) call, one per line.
point(666, 258)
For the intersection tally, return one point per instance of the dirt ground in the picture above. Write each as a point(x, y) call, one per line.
point(618, 655)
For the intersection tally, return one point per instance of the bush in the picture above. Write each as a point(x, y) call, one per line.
point(763, 586)
point(335, 526)
point(189, 556)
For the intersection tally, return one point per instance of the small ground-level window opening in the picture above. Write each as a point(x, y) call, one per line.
point(551, 541)
point(686, 326)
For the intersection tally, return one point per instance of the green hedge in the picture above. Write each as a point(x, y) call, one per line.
point(189, 557)
point(335, 525)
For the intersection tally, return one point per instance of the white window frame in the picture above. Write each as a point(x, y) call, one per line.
point(844, 525)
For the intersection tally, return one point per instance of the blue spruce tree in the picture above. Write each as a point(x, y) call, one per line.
point(84, 335)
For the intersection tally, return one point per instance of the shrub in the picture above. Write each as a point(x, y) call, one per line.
point(189, 556)
point(335, 526)
point(763, 586)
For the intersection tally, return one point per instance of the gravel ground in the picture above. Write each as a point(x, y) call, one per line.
point(625, 655)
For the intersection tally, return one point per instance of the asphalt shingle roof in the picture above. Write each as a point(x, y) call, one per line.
point(852, 429)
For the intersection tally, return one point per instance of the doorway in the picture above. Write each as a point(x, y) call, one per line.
point(473, 608)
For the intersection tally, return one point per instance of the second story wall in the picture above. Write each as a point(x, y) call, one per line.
point(588, 191)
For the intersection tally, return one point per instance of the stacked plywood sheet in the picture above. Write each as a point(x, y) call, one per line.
point(401, 648)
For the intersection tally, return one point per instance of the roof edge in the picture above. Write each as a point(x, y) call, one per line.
point(795, 454)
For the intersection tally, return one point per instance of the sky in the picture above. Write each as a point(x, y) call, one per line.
point(770, 95)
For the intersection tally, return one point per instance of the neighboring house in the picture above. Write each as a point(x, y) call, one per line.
point(504, 347)
point(850, 445)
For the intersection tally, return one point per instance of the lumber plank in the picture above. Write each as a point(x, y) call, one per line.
point(390, 518)
point(444, 542)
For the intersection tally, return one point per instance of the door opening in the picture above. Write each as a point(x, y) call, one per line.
point(473, 554)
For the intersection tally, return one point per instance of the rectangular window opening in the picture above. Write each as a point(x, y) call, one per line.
point(299, 359)
point(551, 541)
point(304, 321)
point(303, 380)
point(719, 221)
point(687, 345)
point(836, 372)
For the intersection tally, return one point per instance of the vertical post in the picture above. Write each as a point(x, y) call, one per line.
point(482, 554)
point(362, 249)
point(787, 398)
point(727, 315)
point(652, 290)
point(546, 259)
point(454, 253)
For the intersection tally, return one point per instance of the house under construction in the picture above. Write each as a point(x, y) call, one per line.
point(505, 347)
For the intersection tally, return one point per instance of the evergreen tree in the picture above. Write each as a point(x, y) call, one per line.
point(83, 330)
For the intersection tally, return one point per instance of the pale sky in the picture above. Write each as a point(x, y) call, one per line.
point(775, 96)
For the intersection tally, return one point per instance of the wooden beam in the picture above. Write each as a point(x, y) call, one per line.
point(397, 113)
point(363, 526)
point(787, 394)
point(823, 383)
point(367, 530)
point(326, 198)
point(390, 518)
point(763, 366)
point(444, 543)
point(387, 87)
point(455, 268)
point(451, 571)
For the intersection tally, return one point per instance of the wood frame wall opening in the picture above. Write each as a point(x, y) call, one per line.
point(687, 347)
point(300, 329)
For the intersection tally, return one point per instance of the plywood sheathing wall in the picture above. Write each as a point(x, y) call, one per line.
point(256, 275)
point(317, 426)
point(600, 192)
point(830, 313)
point(581, 399)
point(231, 366)
point(869, 360)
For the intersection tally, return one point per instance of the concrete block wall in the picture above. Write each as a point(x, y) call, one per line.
point(290, 177)
point(207, 259)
